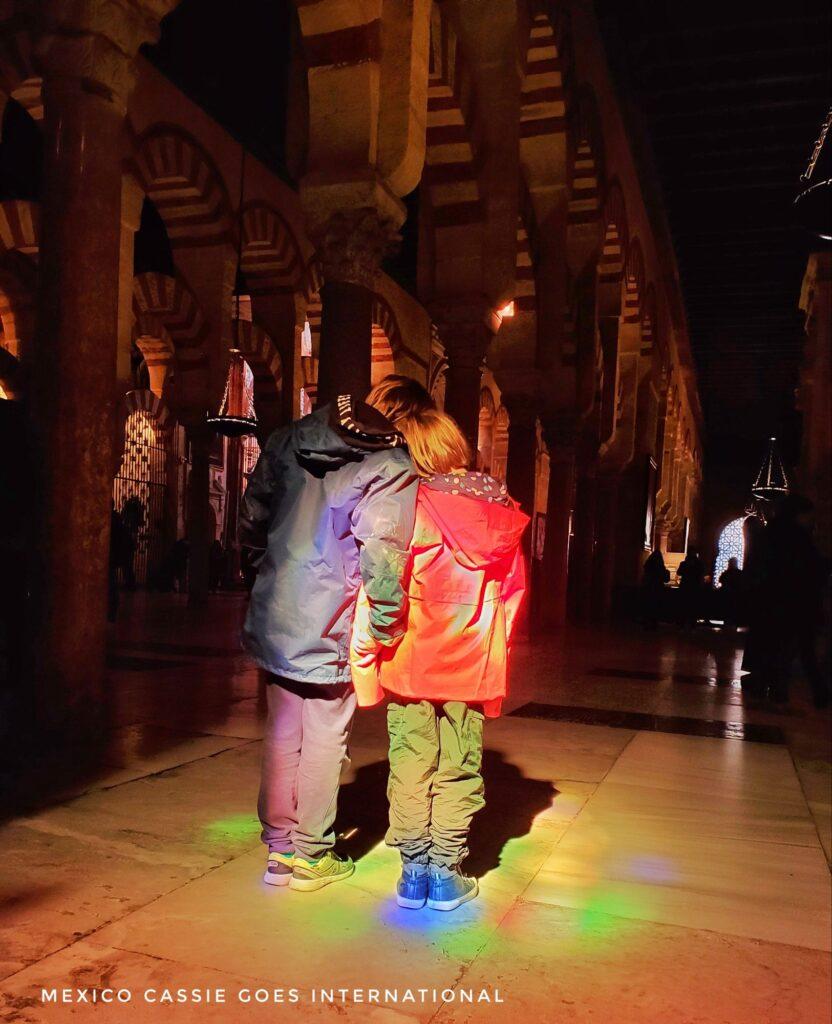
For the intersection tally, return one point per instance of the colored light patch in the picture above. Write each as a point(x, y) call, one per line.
point(602, 913)
point(651, 869)
point(238, 828)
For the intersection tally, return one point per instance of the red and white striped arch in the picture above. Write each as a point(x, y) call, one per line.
point(616, 235)
point(450, 174)
point(164, 305)
point(185, 186)
point(543, 100)
point(633, 281)
point(271, 257)
point(142, 400)
point(20, 226)
point(586, 171)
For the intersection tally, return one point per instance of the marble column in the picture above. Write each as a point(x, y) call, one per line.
point(86, 59)
point(210, 272)
point(521, 472)
point(466, 340)
point(198, 512)
point(603, 566)
point(560, 515)
point(351, 247)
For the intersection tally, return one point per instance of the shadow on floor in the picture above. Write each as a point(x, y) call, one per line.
point(511, 804)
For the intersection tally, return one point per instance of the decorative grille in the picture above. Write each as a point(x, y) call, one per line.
point(139, 492)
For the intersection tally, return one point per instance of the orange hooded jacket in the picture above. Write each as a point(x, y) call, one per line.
point(466, 584)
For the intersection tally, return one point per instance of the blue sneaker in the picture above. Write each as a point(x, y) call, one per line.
point(450, 892)
point(412, 888)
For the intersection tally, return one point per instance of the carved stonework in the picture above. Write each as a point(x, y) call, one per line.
point(353, 245)
point(95, 41)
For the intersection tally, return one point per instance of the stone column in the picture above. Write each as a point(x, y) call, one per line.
point(351, 247)
point(466, 335)
point(560, 513)
point(582, 553)
point(603, 567)
point(521, 475)
point(86, 55)
point(281, 316)
point(210, 272)
point(198, 512)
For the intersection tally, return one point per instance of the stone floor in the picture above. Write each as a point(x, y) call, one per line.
point(666, 865)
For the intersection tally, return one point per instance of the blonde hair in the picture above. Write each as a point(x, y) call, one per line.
point(435, 442)
point(396, 395)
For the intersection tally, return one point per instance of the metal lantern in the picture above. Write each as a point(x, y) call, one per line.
point(236, 416)
point(771, 482)
point(813, 203)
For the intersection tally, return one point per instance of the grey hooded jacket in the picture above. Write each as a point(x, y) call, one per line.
point(335, 515)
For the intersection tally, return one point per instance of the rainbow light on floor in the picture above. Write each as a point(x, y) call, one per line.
point(236, 829)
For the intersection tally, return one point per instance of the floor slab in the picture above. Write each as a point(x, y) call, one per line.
point(584, 966)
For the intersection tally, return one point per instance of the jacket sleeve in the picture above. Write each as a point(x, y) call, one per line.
point(256, 506)
point(514, 590)
point(382, 523)
point(364, 665)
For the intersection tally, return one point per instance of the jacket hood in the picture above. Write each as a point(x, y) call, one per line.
point(343, 432)
point(479, 532)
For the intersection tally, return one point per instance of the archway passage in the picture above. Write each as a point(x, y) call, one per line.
point(139, 494)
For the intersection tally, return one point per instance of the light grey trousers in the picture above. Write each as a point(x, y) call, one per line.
point(304, 748)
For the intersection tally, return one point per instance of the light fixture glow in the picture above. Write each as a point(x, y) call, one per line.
point(507, 310)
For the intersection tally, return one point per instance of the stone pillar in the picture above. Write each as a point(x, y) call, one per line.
point(198, 512)
point(86, 58)
point(560, 513)
point(352, 246)
point(582, 549)
point(466, 340)
point(521, 474)
point(210, 272)
point(603, 567)
point(281, 316)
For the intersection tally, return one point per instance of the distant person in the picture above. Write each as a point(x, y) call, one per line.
point(466, 581)
point(691, 574)
point(654, 580)
point(787, 605)
point(132, 517)
point(731, 594)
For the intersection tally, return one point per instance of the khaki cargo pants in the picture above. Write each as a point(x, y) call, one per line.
point(435, 785)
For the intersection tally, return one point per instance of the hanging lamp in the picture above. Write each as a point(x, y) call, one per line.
point(813, 203)
point(771, 482)
point(236, 416)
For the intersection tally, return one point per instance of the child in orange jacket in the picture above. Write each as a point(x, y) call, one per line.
point(465, 586)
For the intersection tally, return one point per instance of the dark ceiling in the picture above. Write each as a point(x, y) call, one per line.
point(732, 96)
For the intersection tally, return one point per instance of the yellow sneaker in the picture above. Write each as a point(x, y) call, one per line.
point(309, 875)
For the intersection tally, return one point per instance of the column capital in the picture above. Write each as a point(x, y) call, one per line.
point(94, 42)
point(351, 245)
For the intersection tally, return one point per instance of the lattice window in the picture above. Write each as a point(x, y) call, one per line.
point(731, 545)
point(139, 492)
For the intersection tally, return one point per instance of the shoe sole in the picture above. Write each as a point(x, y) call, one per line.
point(453, 904)
point(313, 884)
point(270, 878)
point(408, 904)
